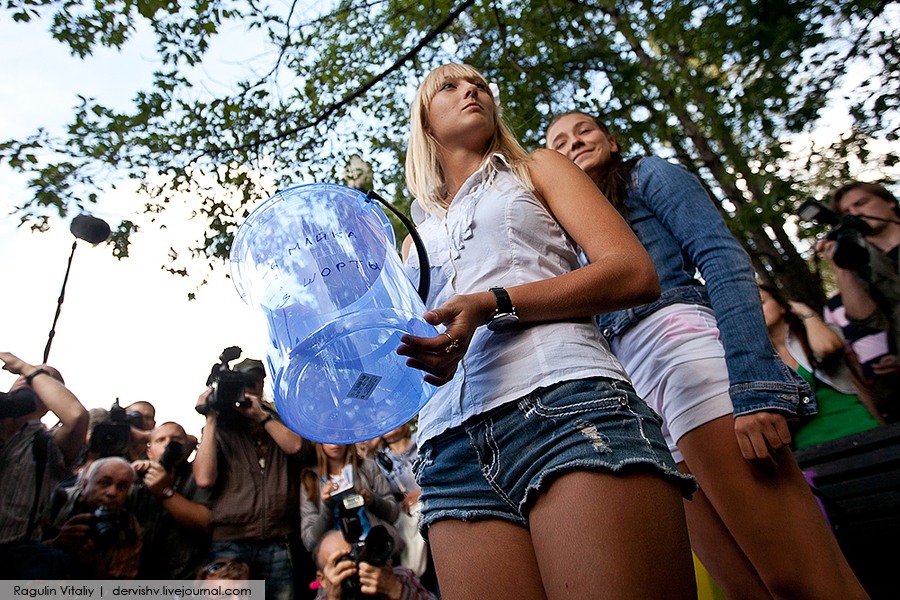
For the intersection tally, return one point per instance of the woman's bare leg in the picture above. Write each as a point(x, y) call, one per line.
point(598, 535)
point(488, 558)
point(719, 553)
point(772, 515)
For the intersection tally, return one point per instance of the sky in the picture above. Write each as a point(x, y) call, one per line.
point(126, 329)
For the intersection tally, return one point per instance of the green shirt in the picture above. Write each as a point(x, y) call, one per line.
point(839, 415)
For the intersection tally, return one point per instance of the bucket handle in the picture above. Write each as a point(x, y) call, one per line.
point(424, 264)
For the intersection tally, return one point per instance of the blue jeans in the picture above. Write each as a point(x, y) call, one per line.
point(268, 559)
point(496, 464)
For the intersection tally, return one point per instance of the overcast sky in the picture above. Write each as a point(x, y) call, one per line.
point(126, 329)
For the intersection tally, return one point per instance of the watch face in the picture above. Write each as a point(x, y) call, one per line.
point(503, 322)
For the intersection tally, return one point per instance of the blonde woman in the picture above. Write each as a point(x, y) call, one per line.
point(543, 475)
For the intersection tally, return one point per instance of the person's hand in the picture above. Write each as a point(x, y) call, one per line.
point(328, 488)
point(366, 496)
point(889, 364)
point(157, 479)
point(73, 534)
point(439, 356)
point(203, 406)
point(252, 409)
point(826, 249)
point(410, 500)
point(141, 466)
point(13, 363)
point(804, 311)
point(761, 435)
point(379, 581)
point(334, 572)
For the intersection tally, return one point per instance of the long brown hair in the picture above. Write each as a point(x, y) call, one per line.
point(616, 173)
point(310, 477)
point(797, 329)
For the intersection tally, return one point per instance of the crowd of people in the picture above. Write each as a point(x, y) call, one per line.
point(111, 494)
point(614, 390)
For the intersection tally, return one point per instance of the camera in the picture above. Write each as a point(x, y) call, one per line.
point(228, 385)
point(846, 232)
point(17, 403)
point(112, 438)
point(171, 455)
point(105, 528)
point(373, 545)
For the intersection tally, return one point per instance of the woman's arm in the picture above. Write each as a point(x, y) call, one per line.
point(823, 340)
point(620, 275)
point(315, 519)
point(380, 499)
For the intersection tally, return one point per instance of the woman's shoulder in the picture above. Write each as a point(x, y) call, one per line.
point(651, 164)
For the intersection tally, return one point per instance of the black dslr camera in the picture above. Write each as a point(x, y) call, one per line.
point(846, 232)
point(105, 527)
point(228, 385)
point(17, 403)
point(374, 547)
point(171, 455)
point(112, 438)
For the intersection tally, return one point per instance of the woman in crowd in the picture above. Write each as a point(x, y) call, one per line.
point(724, 410)
point(543, 475)
point(338, 473)
point(809, 346)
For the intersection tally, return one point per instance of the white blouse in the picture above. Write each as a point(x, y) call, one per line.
point(497, 233)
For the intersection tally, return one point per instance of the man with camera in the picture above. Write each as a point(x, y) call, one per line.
point(33, 461)
point(102, 539)
point(170, 507)
point(864, 258)
point(250, 461)
point(343, 575)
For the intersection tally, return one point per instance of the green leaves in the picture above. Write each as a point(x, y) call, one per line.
point(718, 85)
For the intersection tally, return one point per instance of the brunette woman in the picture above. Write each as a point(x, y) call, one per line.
point(338, 472)
point(701, 358)
point(812, 348)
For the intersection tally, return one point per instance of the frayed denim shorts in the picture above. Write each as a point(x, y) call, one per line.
point(496, 464)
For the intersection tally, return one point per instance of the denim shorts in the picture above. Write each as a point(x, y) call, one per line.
point(496, 464)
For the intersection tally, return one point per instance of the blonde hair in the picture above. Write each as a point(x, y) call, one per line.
point(309, 477)
point(424, 175)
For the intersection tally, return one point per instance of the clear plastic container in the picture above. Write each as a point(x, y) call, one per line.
point(320, 261)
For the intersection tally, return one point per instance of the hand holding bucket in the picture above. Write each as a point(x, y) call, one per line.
point(320, 261)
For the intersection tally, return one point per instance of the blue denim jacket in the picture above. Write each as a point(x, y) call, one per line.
point(681, 229)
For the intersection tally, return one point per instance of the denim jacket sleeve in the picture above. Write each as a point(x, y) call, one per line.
point(758, 378)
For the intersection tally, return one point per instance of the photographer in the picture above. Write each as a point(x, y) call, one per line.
point(334, 568)
point(870, 289)
point(102, 539)
point(173, 511)
point(250, 460)
point(33, 461)
point(142, 418)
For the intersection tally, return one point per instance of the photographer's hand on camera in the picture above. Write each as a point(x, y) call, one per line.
point(252, 409)
point(858, 303)
point(157, 480)
point(335, 571)
point(379, 581)
point(203, 407)
point(375, 581)
point(73, 534)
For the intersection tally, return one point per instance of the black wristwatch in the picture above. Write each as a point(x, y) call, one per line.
point(505, 317)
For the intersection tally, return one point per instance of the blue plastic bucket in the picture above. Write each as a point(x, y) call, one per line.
point(321, 263)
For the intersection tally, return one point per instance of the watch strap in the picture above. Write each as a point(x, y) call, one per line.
point(504, 303)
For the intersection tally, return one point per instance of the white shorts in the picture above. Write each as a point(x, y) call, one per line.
point(677, 364)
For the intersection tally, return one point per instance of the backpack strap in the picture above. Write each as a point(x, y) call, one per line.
point(39, 449)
